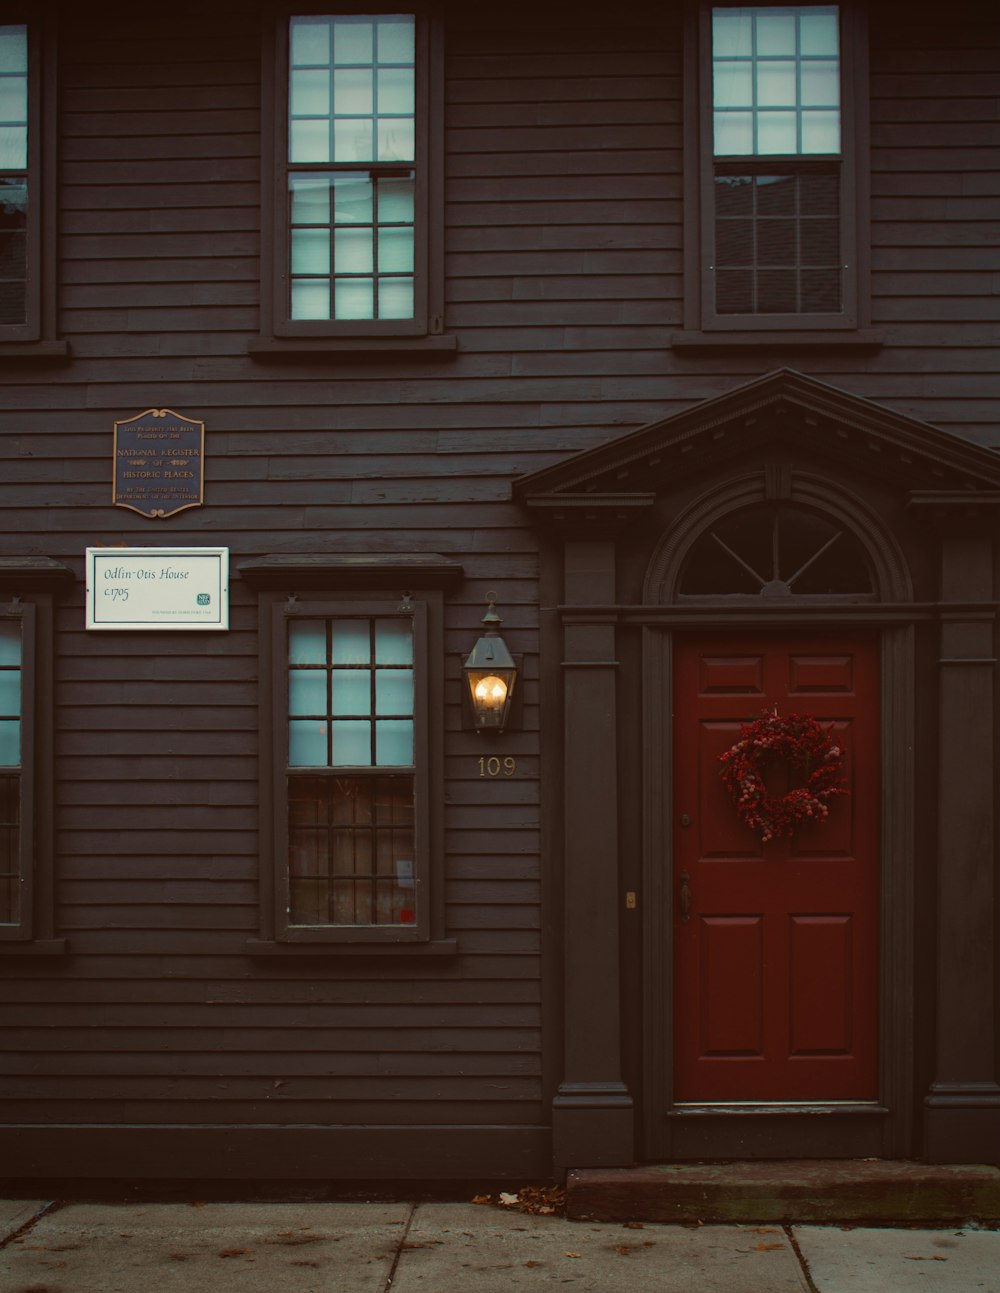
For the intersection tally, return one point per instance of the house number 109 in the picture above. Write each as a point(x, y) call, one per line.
point(493, 766)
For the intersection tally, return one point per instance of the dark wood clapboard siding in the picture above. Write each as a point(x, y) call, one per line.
point(563, 232)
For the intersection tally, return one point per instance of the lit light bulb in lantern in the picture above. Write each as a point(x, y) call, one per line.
point(491, 691)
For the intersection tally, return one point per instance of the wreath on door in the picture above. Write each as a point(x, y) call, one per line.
point(806, 746)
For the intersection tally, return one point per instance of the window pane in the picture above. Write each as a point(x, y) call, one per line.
point(310, 251)
point(821, 290)
point(395, 201)
point(353, 91)
point(10, 743)
point(775, 33)
point(352, 140)
point(13, 148)
point(310, 41)
point(352, 691)
point(733, 85)
point(734, 242)
point(733, 133)
point(818, 31)
point(776, 244)
point(776, 291)
point(13, 49)
point(393, 641)
point(396, 139)
point(352, 743)
point(353, 199)
point(394, 691)
point(776, 84)
point(354, 299)
point(10, 643)
point(395, 89)
point(352, 40)
point(351, 642)
point(353, 251)
point(310, 92)
point(820, 85)
point(734, 291)
point(309, 141)
point(307, 743)
point(732, 34)
point(14, 99)
point(395, 251)
point(311, 299)
point(396, 41)
point(310, 200)
point(394, 743)
point(307, 691)
point(820, 132)
point(776, 132)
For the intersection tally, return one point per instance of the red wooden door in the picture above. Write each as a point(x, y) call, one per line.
point(776, 963)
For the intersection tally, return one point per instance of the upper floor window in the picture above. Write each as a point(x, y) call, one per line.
point(356, 205)
point(778, 197)
point(14, 174)
point(27, 188)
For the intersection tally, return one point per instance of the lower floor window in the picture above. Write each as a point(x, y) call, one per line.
point(11, 878)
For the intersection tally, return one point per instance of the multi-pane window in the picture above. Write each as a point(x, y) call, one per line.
point(11, 877)
point(14, 175)
point(352, 153)
point(351, 771)
point(776, 175)
point(777, 144)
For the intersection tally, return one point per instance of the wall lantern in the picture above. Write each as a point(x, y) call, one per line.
point(490, 674)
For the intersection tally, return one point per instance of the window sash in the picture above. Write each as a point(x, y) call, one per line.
point(815, 293)
point(365, 869)
point(395, 288)
point(21, 178)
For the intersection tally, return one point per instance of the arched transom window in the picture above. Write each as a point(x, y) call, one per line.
point(775, 551)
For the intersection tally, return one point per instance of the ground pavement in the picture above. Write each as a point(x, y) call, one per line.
point(347, 1247)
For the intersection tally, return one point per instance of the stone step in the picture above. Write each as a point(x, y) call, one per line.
point(861, 1192)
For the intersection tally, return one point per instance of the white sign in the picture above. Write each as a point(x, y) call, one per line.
point(157, 588)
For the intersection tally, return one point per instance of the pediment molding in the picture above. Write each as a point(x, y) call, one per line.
point(783, 407)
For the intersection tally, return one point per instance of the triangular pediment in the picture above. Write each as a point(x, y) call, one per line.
point(783, 407)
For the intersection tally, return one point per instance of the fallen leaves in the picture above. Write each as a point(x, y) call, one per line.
point(536, 1200)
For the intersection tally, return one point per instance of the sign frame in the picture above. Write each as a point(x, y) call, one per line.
point(159, 463)
point(148, 589)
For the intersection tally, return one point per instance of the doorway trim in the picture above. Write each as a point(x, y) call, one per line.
point(882, 1129)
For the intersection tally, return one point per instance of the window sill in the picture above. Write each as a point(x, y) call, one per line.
point(37, 947)
point(860, 341)
point(34, 350)
point(355, 347)
point(436, 948)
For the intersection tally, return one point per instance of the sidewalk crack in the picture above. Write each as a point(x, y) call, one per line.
point(399, 1249)
point(46, 1210)
point(803, 1264)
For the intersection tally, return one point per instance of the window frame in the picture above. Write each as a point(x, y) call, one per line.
point(321, 587)
point(37, 335)
point(704, 325)
point(27, 590)
point(279, 332)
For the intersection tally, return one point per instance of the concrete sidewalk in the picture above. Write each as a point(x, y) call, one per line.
point(438, 1247)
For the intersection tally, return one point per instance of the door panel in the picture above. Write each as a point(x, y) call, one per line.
point(776, 964)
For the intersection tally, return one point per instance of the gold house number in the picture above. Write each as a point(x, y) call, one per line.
point(495, 767)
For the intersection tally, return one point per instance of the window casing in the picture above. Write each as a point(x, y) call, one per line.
point(354, 217)
point(352, 728)
point(776, 205)
point(27, 187)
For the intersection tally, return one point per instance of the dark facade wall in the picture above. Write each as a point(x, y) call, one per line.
point(564, 283)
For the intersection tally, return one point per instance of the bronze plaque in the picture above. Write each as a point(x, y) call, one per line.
point(159, 463)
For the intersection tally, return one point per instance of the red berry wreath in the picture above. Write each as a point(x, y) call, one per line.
point(806, 745)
